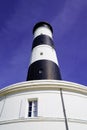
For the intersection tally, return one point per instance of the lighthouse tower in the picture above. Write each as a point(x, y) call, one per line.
point(44, 101)
point(43, 64)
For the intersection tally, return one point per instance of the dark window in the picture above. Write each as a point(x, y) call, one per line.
point(32, 111)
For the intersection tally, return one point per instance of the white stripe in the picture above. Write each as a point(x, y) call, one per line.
point(42, 30)
point(43, 52)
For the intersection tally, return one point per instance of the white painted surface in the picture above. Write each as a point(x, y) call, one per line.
point(10, 109)
point(76, 105)
point(2, 102)
point(43, 52)
point(50, 112)
point(37, 124)
point(23, 110)
point(77, 126)
point(16, 106)
point(34, 125)
point(50, 105)
point(42, 30)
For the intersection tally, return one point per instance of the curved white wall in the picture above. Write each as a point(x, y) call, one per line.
point(76, 105)
point(14, 106)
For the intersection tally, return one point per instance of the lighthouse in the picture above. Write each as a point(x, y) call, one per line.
point(43, 101)
point(44, 63)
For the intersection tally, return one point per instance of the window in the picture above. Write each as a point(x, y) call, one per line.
point(41, 53)
point(40, 71)
point(32, 110)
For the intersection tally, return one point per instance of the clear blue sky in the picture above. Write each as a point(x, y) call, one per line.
point(69, 21)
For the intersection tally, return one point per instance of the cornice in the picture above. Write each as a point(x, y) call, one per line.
point(37, 85)
point(43, 119)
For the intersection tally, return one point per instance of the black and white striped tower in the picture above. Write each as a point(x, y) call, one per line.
point(43, 64)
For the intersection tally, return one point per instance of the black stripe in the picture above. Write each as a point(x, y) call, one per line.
point(43, 39)
point(42, 24)
point(43, 69)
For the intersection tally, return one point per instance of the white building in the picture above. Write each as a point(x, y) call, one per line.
point(45, 102)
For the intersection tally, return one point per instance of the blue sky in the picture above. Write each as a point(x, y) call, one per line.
point(69, 21)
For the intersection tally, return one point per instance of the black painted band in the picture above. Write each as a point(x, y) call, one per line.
point(43, 69)
point(43, 39)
